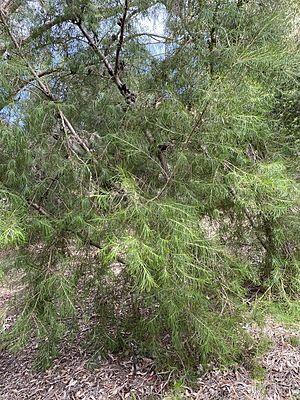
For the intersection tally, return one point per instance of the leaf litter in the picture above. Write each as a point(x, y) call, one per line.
point(72, 378)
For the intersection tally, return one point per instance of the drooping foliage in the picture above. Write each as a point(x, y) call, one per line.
point(149, 169)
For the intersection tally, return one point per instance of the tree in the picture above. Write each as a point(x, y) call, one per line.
point(149, 179)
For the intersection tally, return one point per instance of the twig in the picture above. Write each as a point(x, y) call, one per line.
point(29, 81)
point(9, 6)
point(43, 86)
point(67, 123)
point(45, 194)
point(39, 208)
point(152, 35)
point(199, 122)
point(213, 37)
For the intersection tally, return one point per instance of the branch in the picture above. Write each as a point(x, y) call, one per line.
point(160, 155)
point(52, 182)
point(240, 3)
point(152, 35)
point(44, 86)
point(66, 122)
point(26, 82)
point(40, 209)
point(199, 122)
point(261, 241)
point(38, 31)
point(129, 96)
point(121, 37)
point(44, 28)
point(213, 36)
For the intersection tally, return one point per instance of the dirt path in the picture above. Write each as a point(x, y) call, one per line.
point(72, 378)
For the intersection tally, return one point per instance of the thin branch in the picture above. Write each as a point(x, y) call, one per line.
point(38, 31)
point(261, 241)
point(9, 6)
point(42, 85)
point(199, 122)
point(152, 35)
point(213, 36)
point(46, 26)
point(26, 82)
point(52, 182)
point(250, 219)
point(40, 209)
point(121, 37)
point(240, 3)
point(66, 122)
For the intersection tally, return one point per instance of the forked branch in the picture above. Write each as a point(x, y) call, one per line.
point(128, 95)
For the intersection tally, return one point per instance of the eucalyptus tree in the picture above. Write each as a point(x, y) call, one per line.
point(148, 171)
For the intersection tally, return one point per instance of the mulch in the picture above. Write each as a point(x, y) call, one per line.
point(281, 364)
point(71, 377)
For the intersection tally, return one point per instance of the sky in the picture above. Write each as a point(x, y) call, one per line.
point(153, 23)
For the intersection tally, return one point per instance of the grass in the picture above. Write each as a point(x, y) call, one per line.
point(295, 341)
point(259, 373)
point(283, 311)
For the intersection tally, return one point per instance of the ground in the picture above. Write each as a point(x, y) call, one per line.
point(273, 375)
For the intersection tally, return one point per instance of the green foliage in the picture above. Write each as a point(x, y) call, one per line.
point(177, 392)
point(259, 373)
point(285, 311)
point(149, 186)
point(295, 341)
point(12, 229)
